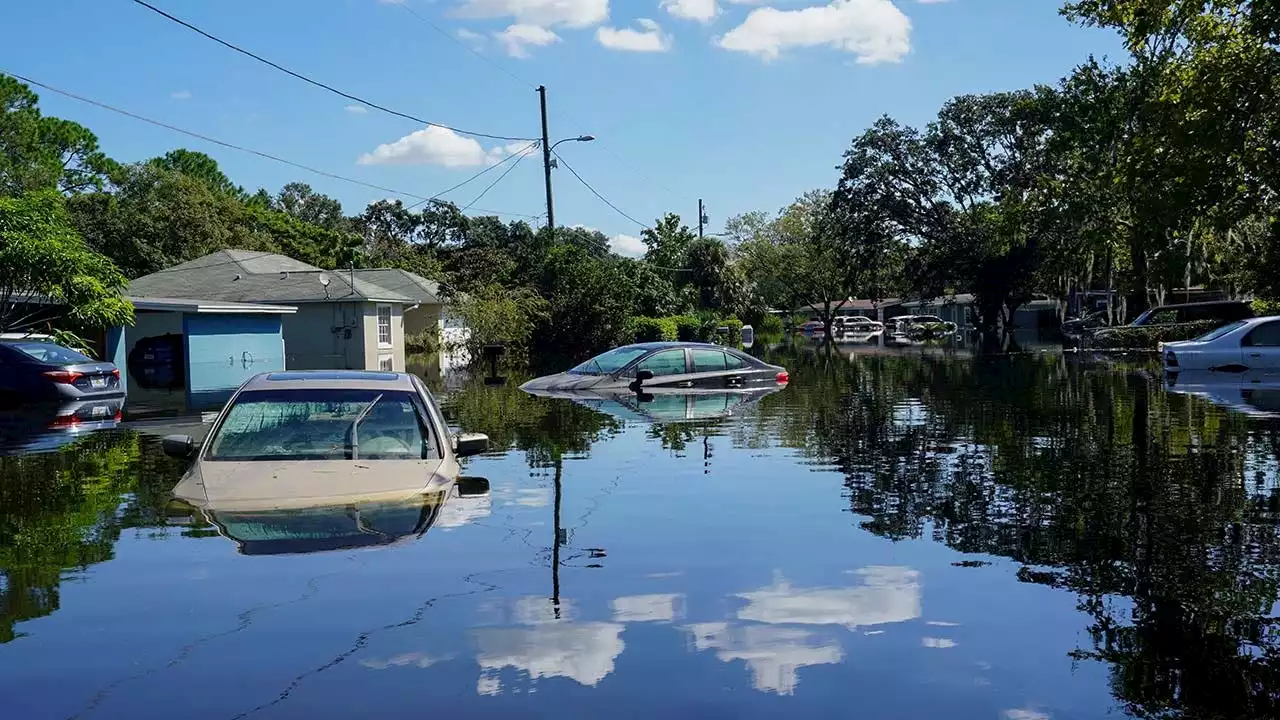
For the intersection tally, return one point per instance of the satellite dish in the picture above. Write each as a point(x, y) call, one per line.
point(324, 280)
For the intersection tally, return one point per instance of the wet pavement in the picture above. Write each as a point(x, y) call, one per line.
point(896, 534)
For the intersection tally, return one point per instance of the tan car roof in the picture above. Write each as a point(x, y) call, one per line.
point(330, 380)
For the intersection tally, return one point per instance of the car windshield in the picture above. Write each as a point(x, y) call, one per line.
point(322, 424)
point(1219, 332)
point(50, 353)
point(610, 362)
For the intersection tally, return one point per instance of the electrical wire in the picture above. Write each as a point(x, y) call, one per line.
point(468, 48)
point(518, 158)
point(251, 151)
point(518, 154)
point(317, 83)
point(602, 198)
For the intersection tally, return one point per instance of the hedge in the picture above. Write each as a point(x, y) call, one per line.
point(688, 328)
point(1148, 336)
point(647, 329)
point(770, 325)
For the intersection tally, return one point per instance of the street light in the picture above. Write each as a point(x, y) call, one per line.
point(549, 163)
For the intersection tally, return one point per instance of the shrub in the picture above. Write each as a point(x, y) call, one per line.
point(688, 328)
point(428, 341)
point(734, 337)
point(1263, 307)
point(770, 325)
point(647, 329)
point(502, 316)
point(1148, 336)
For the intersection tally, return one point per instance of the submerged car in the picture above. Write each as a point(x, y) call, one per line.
point(36, 369)
point(664, 405)
point(289, 440)
point(1240, 346)
point(664, 365)
point(1248, 393)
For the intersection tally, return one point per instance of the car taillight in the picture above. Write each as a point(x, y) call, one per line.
point(783, 377)
point(63, 377)
point(119, 413)
point(65, 421)
point(115, 373)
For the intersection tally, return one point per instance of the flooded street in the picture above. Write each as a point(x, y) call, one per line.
point(893, 535)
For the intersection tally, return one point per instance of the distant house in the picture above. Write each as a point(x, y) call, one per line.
point(344, 319)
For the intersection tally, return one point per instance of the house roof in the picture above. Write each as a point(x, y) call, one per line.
point(957, 299)
point(243, 276)
point(205, 307)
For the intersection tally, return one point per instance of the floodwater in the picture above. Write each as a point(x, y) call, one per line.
point(897, 534)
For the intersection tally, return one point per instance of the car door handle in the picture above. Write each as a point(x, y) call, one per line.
point(734, 380)
point(1255, 354)
point(685, 384)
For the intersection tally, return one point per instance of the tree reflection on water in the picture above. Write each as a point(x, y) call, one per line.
point(1158, 511)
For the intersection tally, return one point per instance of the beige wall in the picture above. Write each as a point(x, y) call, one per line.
point(372, 352)
point(316, 337)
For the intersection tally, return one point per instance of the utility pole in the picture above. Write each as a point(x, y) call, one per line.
point(701, 218)
point(546, 158)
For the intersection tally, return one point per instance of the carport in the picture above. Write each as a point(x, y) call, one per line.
point(203, 349)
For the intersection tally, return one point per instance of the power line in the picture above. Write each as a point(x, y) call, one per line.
point(518, 154)
point(518, 157)
point(317, 83)
point(602, 198)
point(465, 46)
point(250, 151)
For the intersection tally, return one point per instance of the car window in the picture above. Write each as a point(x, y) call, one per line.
point(610, 362)
point(50, 353)
point(667, 362)
point(707, 360)
point(1265, 335)
point(1162, 317)
point(317, 425)
point(733, 362)
point(1219, 332)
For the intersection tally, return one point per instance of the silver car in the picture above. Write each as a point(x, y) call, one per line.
point(302, 439)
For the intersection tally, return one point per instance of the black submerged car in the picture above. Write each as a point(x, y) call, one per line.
point(664, 365)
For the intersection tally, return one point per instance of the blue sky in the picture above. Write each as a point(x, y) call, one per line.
point(746, 104)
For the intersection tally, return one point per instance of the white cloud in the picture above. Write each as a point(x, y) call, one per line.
point(649, 38)
point(470, 36)
point(648, 608)
point(628, 245)
point(700, 10)
point(933, 642)
point(876, 31)
point(534, 497)
point(942, 623)
point(416, 659)
point(459, 511)
point(181, 95)
point(583, 652)
point(891, 594)
point(1023, 714)
point(430, 146)
point(356, 109)
point(774, 654)
point(540, 13)
point(517, 39)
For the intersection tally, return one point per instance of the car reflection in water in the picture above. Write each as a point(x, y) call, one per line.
point(1256, 394)
point(321, 524)
point(45, 427)
point(664, 405)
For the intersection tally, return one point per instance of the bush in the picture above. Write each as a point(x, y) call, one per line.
point(647, 329)
point(501, 316)
point(428, 341)
point(770, 325)
point(1147, 337)
point(1264, 307)
point(688, 328)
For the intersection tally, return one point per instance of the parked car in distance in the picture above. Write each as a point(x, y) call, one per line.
point(1239, 346)
point(34, 369)
point(664, 364)
point(858, 325)
point(322, 437)
point(664, 405)
point(1080, 325)
point(1222, 310)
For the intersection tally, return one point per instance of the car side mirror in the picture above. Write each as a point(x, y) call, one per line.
point(177, 446)
point(469, 444)
point(472, 486)
point(642, 375)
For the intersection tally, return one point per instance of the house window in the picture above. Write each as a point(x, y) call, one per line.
point(385, 363)
point(384, 326)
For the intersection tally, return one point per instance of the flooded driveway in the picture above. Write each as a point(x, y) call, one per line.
point(893, 535)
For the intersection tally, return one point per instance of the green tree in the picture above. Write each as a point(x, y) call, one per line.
point(43, 258)
point(38, 152)
point(199, 167)
point(668, 241)
point(298, 200)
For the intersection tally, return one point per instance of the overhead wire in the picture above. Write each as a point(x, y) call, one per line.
point(518, 157)
point(602, 198)
point(519, 153)
point(251, 151)
point(405, 6)
point(319, 84)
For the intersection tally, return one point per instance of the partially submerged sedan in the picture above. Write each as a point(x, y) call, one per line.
point(1240, 346)
point(664, 365)
point(289, 440)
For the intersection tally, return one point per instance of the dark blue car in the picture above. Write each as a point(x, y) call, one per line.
point(37, 370)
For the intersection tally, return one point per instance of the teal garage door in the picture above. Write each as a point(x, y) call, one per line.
point(225, 350)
